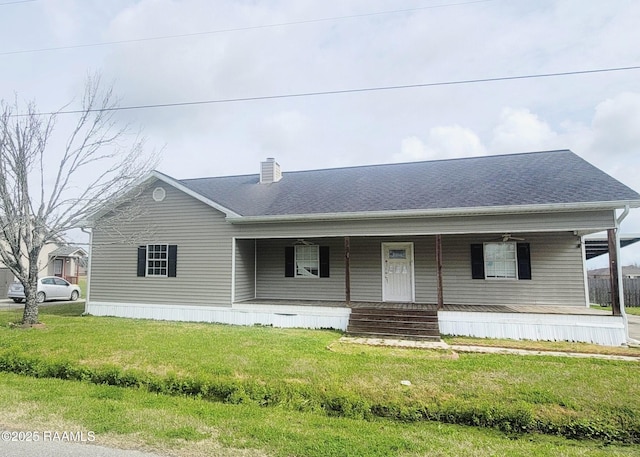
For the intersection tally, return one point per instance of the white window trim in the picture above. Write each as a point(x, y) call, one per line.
point(166, 260)
point(493, 278)
point(295, 261)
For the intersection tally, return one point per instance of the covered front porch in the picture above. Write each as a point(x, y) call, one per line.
point(544, 299)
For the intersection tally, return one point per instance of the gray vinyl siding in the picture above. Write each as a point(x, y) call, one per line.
point(272, 284)
point(556, 266)
point(533, 222)
point(204, 241)
point(557, 276)
point(245, 270)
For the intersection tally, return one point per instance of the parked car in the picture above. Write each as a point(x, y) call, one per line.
point(49, 288)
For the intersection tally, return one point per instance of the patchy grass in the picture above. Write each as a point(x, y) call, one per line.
point(293, 370)
point(187, 427)
point(559, 346)
point(82, 283)
point(634, 310)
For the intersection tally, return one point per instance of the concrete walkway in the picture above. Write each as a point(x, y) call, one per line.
point(7, 303)
point(479, 349)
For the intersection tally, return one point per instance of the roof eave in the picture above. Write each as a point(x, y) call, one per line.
point(90, 220)
point(440, 212)
point(178, 185)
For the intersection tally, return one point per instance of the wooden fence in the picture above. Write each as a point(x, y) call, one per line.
point(600, 291)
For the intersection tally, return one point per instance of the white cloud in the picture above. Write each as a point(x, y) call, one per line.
point(616, 125)
point(519, 130)
point(442, 143)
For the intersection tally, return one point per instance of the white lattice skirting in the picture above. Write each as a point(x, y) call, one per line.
point(604, 330)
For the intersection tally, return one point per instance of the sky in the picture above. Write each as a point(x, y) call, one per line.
point(172, 52)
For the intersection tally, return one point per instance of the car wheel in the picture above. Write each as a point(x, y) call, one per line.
point(40, 297)
point(74, 295)
point(17, 300)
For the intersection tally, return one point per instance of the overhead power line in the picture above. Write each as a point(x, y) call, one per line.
point(237, 29)
point(353, 91)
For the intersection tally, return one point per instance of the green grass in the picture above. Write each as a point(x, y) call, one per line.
point(131, 418)
point(634, 310)
point(307, 376)
point(555, 346)
point(82, 283)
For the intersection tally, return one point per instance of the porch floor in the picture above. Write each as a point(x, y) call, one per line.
point(531, 309)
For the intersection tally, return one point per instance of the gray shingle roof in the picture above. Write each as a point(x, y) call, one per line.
point(65, 251)
point(550, 177)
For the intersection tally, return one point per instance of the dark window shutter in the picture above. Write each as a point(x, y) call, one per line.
point(289, 262)
point(477, 261)
point(324, 261)
point(524, 261)
point(142, 261)
point(173, 260)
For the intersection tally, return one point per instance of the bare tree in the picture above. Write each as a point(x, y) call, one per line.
point(48, 188)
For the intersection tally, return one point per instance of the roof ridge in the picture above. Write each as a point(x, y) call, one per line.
point(391, 164)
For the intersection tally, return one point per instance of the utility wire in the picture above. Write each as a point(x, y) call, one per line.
point(237, 29)
point(350, 91)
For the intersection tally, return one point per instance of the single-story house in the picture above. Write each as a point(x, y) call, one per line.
point(68, 262)
point(494, 244)
point(6, 276)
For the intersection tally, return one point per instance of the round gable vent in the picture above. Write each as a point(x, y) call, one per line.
point(159, 194)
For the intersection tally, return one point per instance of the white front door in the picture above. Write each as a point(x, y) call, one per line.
point(397, 272)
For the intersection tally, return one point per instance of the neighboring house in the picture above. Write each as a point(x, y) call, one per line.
point(68, 262)
point(6, 277)
point(302, 248)
point(628, 272)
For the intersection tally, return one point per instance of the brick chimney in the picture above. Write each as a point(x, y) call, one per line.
point(270, 171)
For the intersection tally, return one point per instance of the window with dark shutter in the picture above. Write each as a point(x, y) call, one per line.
point(477, 261)
point(524, 261)
point(324, 261)
point(306, 261)
point(495, 260)
point(289, 262)
point(173, 260)
point(159, 260)
point(142, 261)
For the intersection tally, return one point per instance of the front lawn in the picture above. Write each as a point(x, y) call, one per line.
point(188, 427)
point(304, 375)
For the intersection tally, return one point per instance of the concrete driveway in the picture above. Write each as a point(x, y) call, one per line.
point(7, 303)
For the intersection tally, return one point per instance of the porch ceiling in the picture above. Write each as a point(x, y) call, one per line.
point(595, 247)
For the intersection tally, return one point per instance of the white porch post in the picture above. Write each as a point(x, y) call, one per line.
point(347, 269)
point(233, 270)
point(585, 274)
point(439, 271)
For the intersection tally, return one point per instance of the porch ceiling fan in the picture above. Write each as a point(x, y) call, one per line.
point(507, 237)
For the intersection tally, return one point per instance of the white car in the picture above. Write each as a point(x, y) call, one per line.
point(49, 288)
